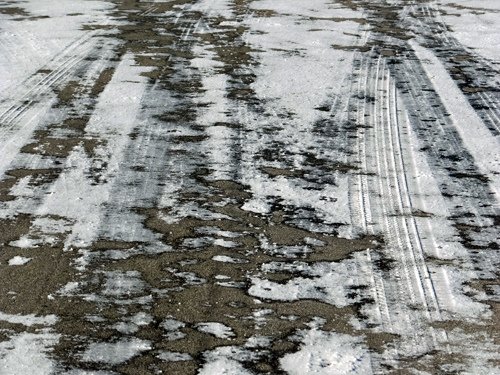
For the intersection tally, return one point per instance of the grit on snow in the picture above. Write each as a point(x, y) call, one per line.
point(249, 187)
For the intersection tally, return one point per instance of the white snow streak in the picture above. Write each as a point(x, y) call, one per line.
point(476, 137)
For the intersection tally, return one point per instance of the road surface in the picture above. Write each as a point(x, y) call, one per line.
point(249, 187)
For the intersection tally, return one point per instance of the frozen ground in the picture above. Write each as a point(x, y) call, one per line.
point(249, 187)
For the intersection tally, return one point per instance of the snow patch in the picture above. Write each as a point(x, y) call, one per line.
point(27, 353)
point(219, 330)
point(317, 285)
point(18, 260)
point(115, 353)
point(228, 259)
point(326, 353)
point(29, 320)
point(174, 356)
point(476, 137)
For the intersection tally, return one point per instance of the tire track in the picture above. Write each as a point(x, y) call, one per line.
point(24, 112)
point(359, 196)
point(382, 203)
point(434, 127)
point(481, 90)
point(64, 66)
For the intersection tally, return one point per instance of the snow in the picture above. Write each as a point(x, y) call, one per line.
point(477, 28)
point(73, 195)
point(173, 326)
point(227, 259)
point(318, 283)
point(132, 324)
point(25, 242)
point(297, 68)
point(219, 330)
point(28, 353)
point(213, 8)
point(226, 360)
point(69, 288)
point(174, 356)
point(29, 320)
point(123, 284)
point(87, 372)
point(223, 366)
point(311, 8)
point(116, 352)
point(326, 353)
point(458, 303)
point(27, 46)
point(141, 319)
point(296, 57)
point(18, 261)
point(217, 232)
point(198, 242)
point(481, 144)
